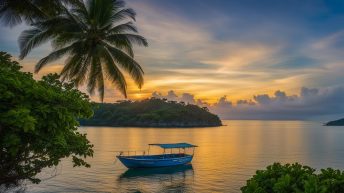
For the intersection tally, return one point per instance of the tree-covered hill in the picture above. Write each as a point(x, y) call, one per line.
point(339, 122)
point(151, 113)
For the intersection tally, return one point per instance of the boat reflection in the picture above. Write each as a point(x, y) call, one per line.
point(165, 179)
point(146, 172)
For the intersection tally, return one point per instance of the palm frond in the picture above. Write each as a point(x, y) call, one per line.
point(72, 66)
point(55, 55)
point(117, 4)
point(113, 73)
point(76, 20)
point(103, 17)
point(126, 13)
point(32, 38)
point(122, 43)
point(80, 74)
point(65, 39)
point(123, 28)
point(54, 23)
point(13, 12)
point(132, 38)
point(100, 85)
point(125, 42)
point(81, 11)
point(95, 71)
point(8, 16)
point(127, 63)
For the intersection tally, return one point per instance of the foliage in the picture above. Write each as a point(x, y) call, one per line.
point(14, 12)
point(38, 123)
point(152, 113)
point(289, 178)
point(96, 37)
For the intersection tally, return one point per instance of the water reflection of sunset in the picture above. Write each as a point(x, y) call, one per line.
point(226, 157)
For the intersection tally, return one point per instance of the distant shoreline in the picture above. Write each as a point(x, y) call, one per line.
point(152, 112)
point(339, 122)
point(150, 126)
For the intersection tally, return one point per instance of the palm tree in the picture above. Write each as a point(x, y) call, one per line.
point(97, 39)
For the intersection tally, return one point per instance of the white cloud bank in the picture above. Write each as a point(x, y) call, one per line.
point(321, 104)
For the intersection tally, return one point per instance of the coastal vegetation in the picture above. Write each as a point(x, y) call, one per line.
point(96, 37)
point(278, 178)
point(151, 113)
point(38, 123)
point(339, 122)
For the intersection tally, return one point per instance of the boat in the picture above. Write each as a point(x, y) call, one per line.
point(160, 160)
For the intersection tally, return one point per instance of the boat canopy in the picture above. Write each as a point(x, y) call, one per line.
point(173, 145)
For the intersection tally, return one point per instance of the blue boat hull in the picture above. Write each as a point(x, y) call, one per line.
point(155, 160)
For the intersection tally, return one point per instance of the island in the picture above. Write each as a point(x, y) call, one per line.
point(339, 122)
point(151, 112)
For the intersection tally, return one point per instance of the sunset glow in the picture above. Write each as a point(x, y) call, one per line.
point(230, 53)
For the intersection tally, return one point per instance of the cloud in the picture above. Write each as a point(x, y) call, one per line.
point(188, 98)
point(223, 103)
point(189, 56)
point(245, 102)
point(232, 52)
point(335, 40)
point(280, 96)
point(172, 96)
point(310, 103)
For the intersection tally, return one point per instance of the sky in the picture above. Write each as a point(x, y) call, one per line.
point(244, 59)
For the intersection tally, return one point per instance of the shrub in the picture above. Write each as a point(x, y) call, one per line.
point(38, 123)
point(296, 178)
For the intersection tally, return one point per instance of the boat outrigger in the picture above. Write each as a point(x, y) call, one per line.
point(160, 160)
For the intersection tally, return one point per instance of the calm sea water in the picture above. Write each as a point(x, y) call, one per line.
point(227, 156)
